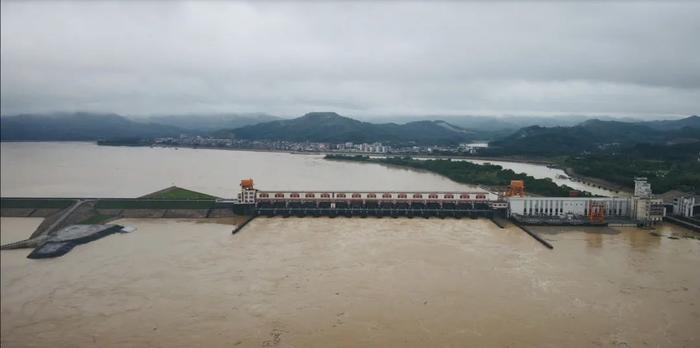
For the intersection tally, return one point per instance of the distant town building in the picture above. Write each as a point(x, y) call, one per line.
point(473, 147)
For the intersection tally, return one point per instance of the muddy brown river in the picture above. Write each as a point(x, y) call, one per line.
point(321, 282)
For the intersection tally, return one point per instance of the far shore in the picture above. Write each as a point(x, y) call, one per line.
point(349, 153)
point(537, 161)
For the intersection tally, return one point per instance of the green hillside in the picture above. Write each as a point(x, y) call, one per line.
point(333, 128)
point(595, 135)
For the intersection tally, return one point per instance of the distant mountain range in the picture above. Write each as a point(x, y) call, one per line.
point(85, 126)
point(692, 122)
point(199, 122)
point(78, 127)
point(498, 123)
point(333, 128)
point(592, 135)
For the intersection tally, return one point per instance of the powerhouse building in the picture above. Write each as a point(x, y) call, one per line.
point(642, 206)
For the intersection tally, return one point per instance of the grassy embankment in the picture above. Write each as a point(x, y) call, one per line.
point(178, 193)
point(169, 198)
point(469, 173)
point(122, 203)
point(36, 203)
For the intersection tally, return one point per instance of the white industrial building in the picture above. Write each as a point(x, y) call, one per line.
point(685, 206)
point(642, 207)
point(562, 206)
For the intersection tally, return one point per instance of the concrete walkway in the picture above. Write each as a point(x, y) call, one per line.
point(63, 217)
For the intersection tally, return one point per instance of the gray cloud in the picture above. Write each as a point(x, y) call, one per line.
point(628, 58)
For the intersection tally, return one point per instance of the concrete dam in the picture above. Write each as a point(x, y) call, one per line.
point(366, 203)
point(513, 204)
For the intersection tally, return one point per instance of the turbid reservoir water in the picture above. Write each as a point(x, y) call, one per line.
point(87, 170)
point(15, 229)
point(320, 282)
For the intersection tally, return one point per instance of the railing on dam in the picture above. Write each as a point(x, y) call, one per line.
point(379, 212)
point(374, 205)
point(376, 196)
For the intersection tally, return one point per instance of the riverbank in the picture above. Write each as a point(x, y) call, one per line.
point(597, 182)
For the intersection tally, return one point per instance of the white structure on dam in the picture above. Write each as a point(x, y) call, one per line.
point(642, 207)
point(561, 206)
point(686, 206)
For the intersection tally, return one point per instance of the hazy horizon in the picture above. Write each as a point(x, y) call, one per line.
point(367, 118)
point(401, 118)
point(388, 59)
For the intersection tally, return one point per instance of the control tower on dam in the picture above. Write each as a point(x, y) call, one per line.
point(368, 203)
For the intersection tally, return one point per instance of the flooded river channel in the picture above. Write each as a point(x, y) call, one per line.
point(88, 170)
point(320, 282)
point(81, 169)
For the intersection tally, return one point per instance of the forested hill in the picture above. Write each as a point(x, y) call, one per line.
point(333, 128)
point(595, 135)
point(666, 152)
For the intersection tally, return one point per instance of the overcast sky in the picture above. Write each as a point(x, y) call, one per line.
point(392, 58)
